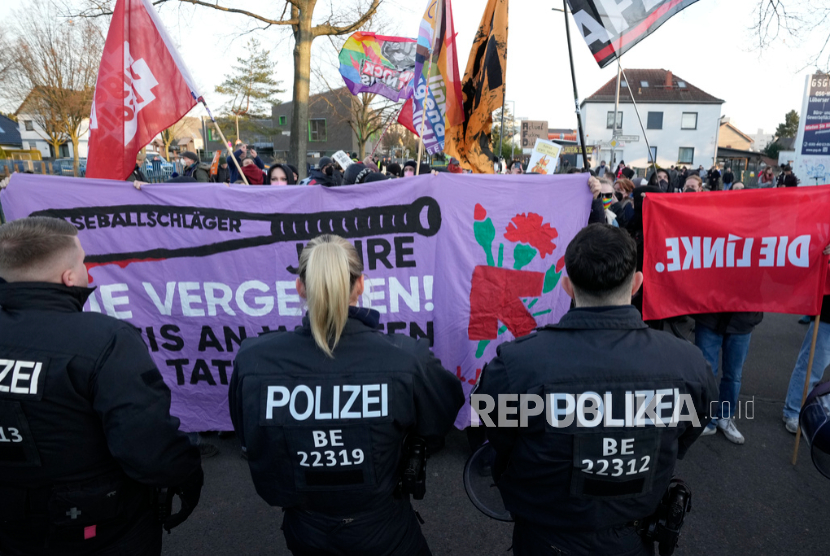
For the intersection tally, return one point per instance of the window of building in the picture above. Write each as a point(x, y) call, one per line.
point(317, 130)
point(686, 155)
point(282, 120)
point(653, 155)
point(688, 120)
point(623, 84)
point(681, 84)
point(643, 83)
point(29, 125)
point(655, 120)
point(610, 120)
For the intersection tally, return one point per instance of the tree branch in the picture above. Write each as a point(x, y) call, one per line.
point(329, 29)
point(252, 15)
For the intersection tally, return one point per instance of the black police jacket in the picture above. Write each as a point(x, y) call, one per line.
point(83, 404)
point(326, 434)
point(604, 468)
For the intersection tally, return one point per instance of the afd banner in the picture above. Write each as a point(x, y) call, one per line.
point(612, 27)
point(464, 261)
point(750, 250)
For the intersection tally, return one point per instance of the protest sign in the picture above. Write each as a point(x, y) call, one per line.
point(371, 63)
point(342, 159)
point(533, 130)
point(812, 146)
point(755, 250)
point(465, 261)
point(545, 157)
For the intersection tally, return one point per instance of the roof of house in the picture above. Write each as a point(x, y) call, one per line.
point(736, 130)
point(9, 132)
point(653, 86)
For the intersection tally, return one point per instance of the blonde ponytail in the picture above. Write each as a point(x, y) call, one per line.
point(329, 268)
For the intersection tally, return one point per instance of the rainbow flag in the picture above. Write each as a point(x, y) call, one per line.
point(371, 63)
point(436, 61)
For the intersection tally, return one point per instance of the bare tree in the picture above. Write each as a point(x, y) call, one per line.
point(55, 71)
point(796, 19)
point(342, 18)
point(400, 140)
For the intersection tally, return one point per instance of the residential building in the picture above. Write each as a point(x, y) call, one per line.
point(328, 126)
point(33, 136)
point(762, 139)
point(9, 135)
point(681, 120)
point(731, 137)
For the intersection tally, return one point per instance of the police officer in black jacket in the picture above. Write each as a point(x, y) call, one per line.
point(621, 403)
point(86, 435)
point(324, 411)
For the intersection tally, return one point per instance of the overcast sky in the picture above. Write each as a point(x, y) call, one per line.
point(709, 44)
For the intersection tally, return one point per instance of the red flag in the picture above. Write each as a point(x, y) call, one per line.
point(143, 88)
point(756, 250)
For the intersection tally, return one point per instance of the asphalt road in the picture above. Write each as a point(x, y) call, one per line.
point(747, 499)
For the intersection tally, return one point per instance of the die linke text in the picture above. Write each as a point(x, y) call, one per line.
point(684, 253)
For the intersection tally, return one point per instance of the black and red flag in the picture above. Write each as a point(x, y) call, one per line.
point(612, 27)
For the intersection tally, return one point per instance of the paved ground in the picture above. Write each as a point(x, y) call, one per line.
point(747, 499)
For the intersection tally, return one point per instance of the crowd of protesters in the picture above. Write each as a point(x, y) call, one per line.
point(618, 196)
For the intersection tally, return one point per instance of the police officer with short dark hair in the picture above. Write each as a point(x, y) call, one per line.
point(86, 435)
point(621, 403)
point(324, 412)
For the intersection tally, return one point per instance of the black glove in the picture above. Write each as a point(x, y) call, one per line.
point(189, 492)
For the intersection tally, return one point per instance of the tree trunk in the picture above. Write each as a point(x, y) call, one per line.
point(167, 151)
point(298, 145)
point(238, 138)
point(76, 165)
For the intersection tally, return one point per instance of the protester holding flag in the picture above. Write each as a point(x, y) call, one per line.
point(821, 359)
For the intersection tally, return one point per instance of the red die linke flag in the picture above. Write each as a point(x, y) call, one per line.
point(143, 88)
point(612, 27)
point(756, 250)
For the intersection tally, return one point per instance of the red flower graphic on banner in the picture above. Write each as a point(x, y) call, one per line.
point(530, 229)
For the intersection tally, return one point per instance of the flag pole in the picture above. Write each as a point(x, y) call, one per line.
point(224, 141)
point(806, 384)
point(388, 125)
point(639, 119)
point(576, 92)
point(438, 14)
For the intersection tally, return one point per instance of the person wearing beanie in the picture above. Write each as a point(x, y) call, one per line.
point(193, 168)
point(409, 168)
point(393, 170)
point(356, 173)
point(324, 174)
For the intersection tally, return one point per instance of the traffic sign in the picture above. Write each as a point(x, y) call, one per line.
point(613, 144)
point(628, 138)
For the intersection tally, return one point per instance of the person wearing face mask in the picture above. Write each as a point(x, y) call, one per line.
point(409, 168)
point(662, 181)
point(693, 185)
point(323, 175)
point(607, 195)
point(279, 174)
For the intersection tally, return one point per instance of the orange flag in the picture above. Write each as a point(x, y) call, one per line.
point(483, 92)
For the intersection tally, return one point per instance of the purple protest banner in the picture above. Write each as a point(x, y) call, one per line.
point(466, 261)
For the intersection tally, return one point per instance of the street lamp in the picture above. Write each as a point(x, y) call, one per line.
point(512, 129)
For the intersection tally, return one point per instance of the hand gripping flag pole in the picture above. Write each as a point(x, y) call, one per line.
point(222, 136)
